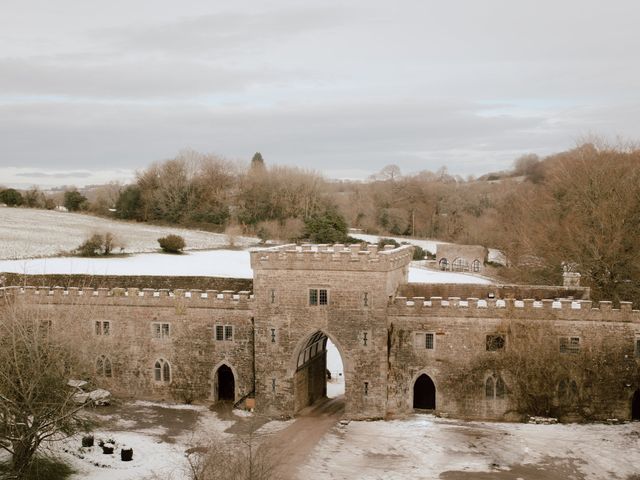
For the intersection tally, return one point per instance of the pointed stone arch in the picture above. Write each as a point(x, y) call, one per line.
point(229, 385)
point(308, 375)
point(424, 390)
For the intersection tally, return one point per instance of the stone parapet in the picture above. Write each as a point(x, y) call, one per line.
point(337, 257)
point(133, 296)
point(527, 309)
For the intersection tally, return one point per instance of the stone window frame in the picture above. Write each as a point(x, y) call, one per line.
point(161, 330)
point(460, 264)
point(318, 296)
point(162, 371)
point(475, 266)
point(495, 342)
point(102, 328)
point(104, 366)
point(443, 264)
point(421, 343)
point(227, 332)
point(569, 344)
point(494, 387)
point(568, 390)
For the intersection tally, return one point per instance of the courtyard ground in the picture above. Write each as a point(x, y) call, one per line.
point(318, 445)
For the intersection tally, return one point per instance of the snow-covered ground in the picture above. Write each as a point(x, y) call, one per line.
point(426, 245)
point(426, 447)
point(206, 263)
point(421, 446)
point(422, 275)
point(28, 233)
point(159, 434)
point(335, 386)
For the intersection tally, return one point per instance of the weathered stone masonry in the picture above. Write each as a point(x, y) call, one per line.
point(272, 340)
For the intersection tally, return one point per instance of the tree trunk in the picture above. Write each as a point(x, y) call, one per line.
point(23, 453)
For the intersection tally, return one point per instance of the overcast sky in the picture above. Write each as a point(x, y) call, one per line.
point(92, 91)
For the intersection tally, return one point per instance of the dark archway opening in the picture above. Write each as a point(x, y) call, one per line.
point(424, 393)
point(226, 384)
point(635, 406)
point(319, 372)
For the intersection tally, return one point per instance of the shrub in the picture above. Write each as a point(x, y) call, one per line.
point(172, 244)
point(91, 247)
point(11, 197)
point(387, 241)
point(328, 226)
point(418, 252)
point(97, 244)
point(74, 201)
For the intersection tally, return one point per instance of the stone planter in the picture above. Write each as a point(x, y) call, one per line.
point(126, 454)
point(107, 448)
point(87, 441)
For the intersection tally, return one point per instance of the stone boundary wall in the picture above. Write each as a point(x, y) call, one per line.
point(336, 257)
point(537, 292)
point(134, 296)
point(527, 309)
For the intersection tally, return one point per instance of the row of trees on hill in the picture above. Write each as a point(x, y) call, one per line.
point(206, 191)
point(71, 199)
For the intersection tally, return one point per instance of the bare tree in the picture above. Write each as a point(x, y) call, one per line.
point(245, 457)
point(35, 402)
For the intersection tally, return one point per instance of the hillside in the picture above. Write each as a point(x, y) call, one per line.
point(29, 233)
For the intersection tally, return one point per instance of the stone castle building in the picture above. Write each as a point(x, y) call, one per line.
point(399, 342)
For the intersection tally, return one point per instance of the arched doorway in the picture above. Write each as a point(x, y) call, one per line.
point(319, 371)
point(635, 406)
point(225, 384)
point(424, 393)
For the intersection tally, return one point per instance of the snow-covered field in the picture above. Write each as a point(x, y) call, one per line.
point(426, 447)
point(207, 263)
point(28, 233)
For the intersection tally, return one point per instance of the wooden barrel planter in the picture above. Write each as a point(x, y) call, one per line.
point(87, 441)
point(126, 454)
point(107, 448)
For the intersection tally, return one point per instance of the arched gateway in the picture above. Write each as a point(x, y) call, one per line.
point(224, 383)
point(311, 375)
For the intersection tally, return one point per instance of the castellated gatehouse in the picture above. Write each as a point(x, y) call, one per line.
point(404, 346)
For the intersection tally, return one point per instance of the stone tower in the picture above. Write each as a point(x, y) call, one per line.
point(306, 294)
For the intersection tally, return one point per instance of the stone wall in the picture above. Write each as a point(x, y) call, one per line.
point(460, 329)
point(131, 345)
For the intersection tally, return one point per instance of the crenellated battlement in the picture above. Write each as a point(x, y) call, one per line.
point(546, 309)
point(355, 257)
point(133, 296)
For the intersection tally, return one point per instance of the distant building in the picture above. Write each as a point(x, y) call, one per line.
point(461, 258)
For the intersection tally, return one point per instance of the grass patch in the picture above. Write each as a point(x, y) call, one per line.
point(42, 468)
